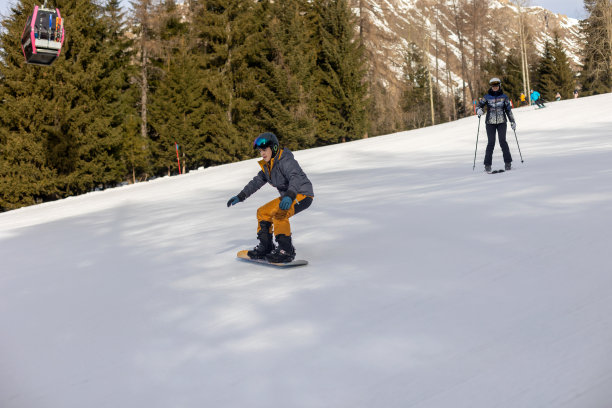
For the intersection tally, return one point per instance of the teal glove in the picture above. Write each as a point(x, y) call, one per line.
point(236, 199)
point(285, 203)
point(233, 201)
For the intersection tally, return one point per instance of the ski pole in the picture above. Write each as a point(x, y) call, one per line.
point(519, 147)
point(475, 150)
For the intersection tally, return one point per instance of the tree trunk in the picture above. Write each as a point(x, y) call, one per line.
point(475, 65)
point(361, 22)
point(436, 45)
point(607, 14)
point(227, 69)
point(143, 92)
point(431, 101)
point(523, 48)
point(461, 50)
point(449, 92)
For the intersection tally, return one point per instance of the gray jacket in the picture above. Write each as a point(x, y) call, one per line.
point(284, 173)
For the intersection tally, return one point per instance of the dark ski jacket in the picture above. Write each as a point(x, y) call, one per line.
point(498, 107)
point(284, 173)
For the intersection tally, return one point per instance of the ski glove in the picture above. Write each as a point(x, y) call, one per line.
point(285, 203)
point(513, 125)
point(236, 199)
point(233, 201)
point(479, 112)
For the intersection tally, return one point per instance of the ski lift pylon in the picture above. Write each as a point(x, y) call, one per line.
point(43, 36)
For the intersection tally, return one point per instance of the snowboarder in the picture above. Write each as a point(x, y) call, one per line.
point(498, 107)
point(535, 98)
point(280, 169)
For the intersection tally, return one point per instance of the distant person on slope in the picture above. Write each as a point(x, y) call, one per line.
point(498, 107)
point(280, 169)
point(535, 98)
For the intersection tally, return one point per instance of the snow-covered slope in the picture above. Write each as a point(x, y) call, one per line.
point(429, 284)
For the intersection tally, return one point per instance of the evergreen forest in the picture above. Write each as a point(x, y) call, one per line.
point(162, 88)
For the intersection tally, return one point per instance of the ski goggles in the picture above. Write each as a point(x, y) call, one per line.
point(495, 83)
point(262, 142)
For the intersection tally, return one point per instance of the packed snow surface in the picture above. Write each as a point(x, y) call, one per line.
point(429, 284)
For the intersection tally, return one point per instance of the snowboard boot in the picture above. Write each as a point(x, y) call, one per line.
point(508, 166)
point(284, 252)
point(266, 245)
point(487, 168)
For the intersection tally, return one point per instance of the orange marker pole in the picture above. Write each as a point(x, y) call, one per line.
point(177, 157)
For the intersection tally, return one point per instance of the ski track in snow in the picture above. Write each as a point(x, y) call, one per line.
point(429, 284)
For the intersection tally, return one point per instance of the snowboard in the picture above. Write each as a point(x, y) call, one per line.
point(242, 256)
point(497, 171)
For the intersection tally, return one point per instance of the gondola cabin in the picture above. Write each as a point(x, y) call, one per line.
point(43, 36)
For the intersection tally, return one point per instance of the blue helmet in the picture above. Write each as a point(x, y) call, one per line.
point(266, 139)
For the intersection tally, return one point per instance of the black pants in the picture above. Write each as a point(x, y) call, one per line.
point(539, 103)
point(303, 204)
point(501, 133)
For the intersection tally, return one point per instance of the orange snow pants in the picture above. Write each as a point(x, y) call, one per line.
point(270, 212)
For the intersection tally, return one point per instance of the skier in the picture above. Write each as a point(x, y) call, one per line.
point(498, 107)
point(535, 97)
point(280, 169)
point(558, 97)
point(522, 99)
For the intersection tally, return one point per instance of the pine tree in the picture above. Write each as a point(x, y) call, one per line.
point(176, 116)
point(512, 80)
point(291, 63)
point(554, 72)
point(545, 79)
point(416, 96)
point(139, 148)
point(264, 71)
point(459, 105)
point(26, 177)
point(494, 65)
point(63, 114)
point(175, 105)
point(384, 115)
point(90, 131)
point(596, 76)
point(339, 91)
point(222, 29)
point(122, 96)
point(563, 74)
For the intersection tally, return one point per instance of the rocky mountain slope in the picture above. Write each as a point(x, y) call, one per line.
point(450, 26)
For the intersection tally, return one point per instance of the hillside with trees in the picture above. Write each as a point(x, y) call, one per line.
point(135, 88)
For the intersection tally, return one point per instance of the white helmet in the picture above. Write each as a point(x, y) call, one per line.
point(495, 81)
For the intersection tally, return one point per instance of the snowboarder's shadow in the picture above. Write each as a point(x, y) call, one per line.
point(237, 245)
